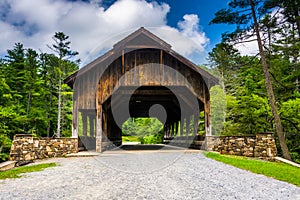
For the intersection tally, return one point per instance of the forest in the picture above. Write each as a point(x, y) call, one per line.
point(257, 93)
point(33, 98)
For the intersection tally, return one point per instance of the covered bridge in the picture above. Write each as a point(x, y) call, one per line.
point(141, 76)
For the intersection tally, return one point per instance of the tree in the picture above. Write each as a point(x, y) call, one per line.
point(62, 67)
point(288, 27)
point(226, 61)
point(243, 14)
point(30, 86)
point(218, 109)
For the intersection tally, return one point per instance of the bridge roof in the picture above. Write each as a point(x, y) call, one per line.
point(141, 39)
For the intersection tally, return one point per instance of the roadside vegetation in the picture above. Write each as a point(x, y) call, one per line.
point(18, 171)
point(276, 170)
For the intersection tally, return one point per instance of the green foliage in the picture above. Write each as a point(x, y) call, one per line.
point(153, 139)
point(218, 109)
point(147, 130)
point(28, 92)
point(5, 144)
point(141, 126)
point(248, 111)
point(279, 171)
point(16, 172)
point(130, 138)
point(290, 114)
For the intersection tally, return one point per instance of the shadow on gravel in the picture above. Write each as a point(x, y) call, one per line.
point(146, 147)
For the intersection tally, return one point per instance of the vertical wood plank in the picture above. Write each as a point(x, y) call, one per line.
point(176, 127)
point(99, 128)
point(207, 119)
point(196, 120)
point(181, 126)
point(123, 62)
point(84, 123)
point(188, 120)
point(92, 125)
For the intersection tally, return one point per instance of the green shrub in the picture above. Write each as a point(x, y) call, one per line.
point(153, 139)
point(5, 144)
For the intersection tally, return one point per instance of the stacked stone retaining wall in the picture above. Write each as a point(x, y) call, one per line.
point(261, 145)
point(25, 147)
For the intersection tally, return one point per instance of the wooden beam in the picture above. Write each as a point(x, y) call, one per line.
point(181, 126)
point(161, 69)
point(84, 124)
point(172, 129)
point(196, 119)
point(207, 118)
point(75, 117)
point(165, 131)
point(123, 62)
point(92, 125)
point(176, 127)
point(104, 125)
point(188, 120)
point(99, 129)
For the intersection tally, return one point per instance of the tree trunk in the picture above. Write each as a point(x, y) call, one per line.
point(48, 114)
point(296, 16)
point(59, 108)
point(269, 87)
point(29, 98)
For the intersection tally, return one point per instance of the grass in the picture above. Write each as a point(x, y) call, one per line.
point(16, 172)
point(276, 170)
point(130, 139)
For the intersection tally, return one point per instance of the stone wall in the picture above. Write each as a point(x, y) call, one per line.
point(261, 145)
point(25, 147)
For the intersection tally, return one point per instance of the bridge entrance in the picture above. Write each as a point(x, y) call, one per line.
point(140, 77)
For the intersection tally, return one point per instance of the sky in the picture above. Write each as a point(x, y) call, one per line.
point(95, 25)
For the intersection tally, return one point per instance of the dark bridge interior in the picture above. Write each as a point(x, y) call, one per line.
point(169, 105)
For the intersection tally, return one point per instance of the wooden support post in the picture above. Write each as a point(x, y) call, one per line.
point(181, 126)
point(109, 133)
point(84, 123)
point(75, 117)
point(161, 67)
point(196, 120)
point(207, 119)
point(188, 127)
point(172, 129)
point(123, 62)
point(99, 129)
point(167, 125)
point(206, 111)
point(176, 128)
point(105, 124)
point(166, 130)
point(92, 125)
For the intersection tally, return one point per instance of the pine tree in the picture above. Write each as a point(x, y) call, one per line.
point(244, 14)
point(61, 65)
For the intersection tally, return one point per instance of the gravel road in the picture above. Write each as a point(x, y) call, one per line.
point(150, 174)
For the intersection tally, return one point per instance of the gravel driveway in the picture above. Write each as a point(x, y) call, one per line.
point(149, 174)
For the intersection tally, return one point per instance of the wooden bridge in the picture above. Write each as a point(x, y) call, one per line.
point(141, 73)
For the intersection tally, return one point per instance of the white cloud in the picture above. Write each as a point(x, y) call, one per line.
point(248, 48)
point(91, 27)
point(251, 48)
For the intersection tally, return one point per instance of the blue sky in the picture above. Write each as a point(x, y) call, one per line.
point(203, 8)
point(205, 11)
point(95, 25)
